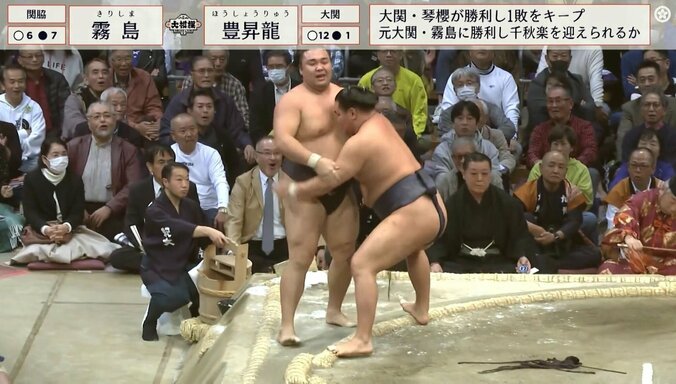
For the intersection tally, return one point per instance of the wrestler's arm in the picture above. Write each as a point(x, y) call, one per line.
point(285, 124)
point(348, 164)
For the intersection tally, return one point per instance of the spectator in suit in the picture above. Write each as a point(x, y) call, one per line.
point(141, 194)
point(107, 165)
point(256, 214)
point(264, 97)
point(47, 87)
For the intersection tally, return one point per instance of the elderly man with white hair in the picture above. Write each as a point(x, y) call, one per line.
point(466, 83)
point(117, 99)
point(107, 165)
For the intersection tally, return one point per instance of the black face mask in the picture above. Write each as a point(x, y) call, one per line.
point(559, 66)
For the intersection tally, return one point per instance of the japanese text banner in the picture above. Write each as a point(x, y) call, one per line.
point(505, 25)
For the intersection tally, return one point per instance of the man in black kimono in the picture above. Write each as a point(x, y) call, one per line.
point(172, 225)
point(488, 233)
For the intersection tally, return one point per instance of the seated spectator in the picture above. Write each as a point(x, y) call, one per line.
point(465, 116)
point(559, 79)
point(474, 241)
point(588, 64)
point(265, 96)
point(449, 180)
point(562, 139)
point(95, 82)
point(384, 86)
point(53, 204)
point(661, 57)
point(410, 92)
point(201, 108)
point(629, 64)
point(645, 220)
point(46, 87)
point(499, 87)
point(144, 105)
point(653, 110)
point(466, 83)
point(172, 223)
point(256, 214)
point(662, 171)
point(67, 62)
point(9, 138)
point(141, 194)
point(554, 213)
point(228, 123)
point(117, 98)
point(647, 76)
point(559, 108)
point(497, 138)
point(107, 165)
point(206, 169)
point(12, 222)
point(641, 171)
point(558, 60)
point(26, 115)
point(225, 82)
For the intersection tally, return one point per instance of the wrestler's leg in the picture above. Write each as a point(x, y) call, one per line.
point(303, 222)
point(419, 272)
point(342, 228)
point(401, 234)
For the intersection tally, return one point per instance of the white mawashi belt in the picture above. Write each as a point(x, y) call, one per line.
point(478, 252)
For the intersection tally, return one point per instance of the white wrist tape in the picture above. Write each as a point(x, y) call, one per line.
point(313, 160)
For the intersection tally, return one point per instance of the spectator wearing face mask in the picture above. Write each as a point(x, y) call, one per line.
point(466, 83)
point(499, 86)
point(267, 95)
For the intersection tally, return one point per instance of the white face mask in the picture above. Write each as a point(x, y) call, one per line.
point(277, 75)
point(466, 92)
point(59, 164)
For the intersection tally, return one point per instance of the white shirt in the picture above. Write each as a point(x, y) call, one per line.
point(497, 87)
point(278, 228)
point(30, 111)
point(208, 174)
point(156, 187)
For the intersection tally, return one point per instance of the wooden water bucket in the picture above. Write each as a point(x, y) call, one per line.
point(215, 282)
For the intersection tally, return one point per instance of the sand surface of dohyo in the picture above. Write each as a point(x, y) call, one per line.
point(613, 322)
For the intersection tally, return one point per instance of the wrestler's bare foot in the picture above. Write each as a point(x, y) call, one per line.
point(339, 319)
point(352, 348)
point(420, 316)
point(287, 338)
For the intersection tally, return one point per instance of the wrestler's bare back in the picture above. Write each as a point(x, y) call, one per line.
point(317, 130)
point(382, 156)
